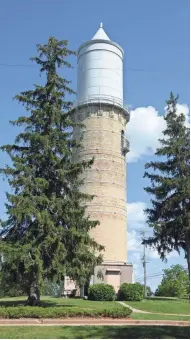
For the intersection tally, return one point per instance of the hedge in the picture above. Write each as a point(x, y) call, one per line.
point(101, 292)
point(131, 292)
point(61, 312)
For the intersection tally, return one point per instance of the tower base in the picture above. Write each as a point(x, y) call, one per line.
point(110, 272)
point(113, 273)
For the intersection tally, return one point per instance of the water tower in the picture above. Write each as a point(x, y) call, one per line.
point(100, 109)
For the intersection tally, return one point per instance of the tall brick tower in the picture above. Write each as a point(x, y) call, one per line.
point(100, 108)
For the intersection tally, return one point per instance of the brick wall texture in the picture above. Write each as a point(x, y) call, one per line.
point(107, 177)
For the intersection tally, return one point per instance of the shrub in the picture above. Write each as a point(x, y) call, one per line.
point(131, 292)
point(101, 292)
point(61, 312)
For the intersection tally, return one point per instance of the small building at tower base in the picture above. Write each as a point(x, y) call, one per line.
point(113, 273)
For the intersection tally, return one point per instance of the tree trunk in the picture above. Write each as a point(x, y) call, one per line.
point(82, 292)
point(188, 262)
point(188, 258)
point(34, 296)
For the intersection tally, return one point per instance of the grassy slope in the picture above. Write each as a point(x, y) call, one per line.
point(162, 306)
point(96, 332)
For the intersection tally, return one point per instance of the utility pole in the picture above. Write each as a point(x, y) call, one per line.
point(145, 272)
point(144, 262)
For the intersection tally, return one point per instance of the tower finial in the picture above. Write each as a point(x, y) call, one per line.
point(101, 25)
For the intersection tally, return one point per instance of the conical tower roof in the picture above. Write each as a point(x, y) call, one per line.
point(100, 34)
point(99, 37)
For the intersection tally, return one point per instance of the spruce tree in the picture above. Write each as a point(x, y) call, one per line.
point(169, 215)
point(46, 235)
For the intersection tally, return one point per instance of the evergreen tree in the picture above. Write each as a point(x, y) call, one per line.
point(47, 230)
point(169, 215)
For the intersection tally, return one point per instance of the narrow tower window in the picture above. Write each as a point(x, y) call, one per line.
point(122, 140)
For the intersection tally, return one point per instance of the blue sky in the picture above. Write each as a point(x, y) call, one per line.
point(155, 38)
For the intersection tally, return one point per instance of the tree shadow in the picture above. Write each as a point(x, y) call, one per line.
point(12, 303)
point(127, 332)
point(18, 303)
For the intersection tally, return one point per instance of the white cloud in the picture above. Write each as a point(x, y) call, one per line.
point(135, 214)
point(134, 244)
point(137, 221)
point(183, 108)
point(153, 254)
point(133, 241)
point(145, 128)
point(135, 258)
point(143, 131)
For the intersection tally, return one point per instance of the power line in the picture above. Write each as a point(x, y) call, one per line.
point(158, 273)
point(152, 276)
point(18, 65)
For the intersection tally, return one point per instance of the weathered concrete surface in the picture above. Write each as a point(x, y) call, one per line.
point(90, 322)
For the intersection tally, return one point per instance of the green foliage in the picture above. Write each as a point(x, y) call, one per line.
point(149, 291)
point(9, 288)
point(101, 292)
point(175, 283)
point(51, 288)
point(61, 312)
point(169, 215)
point(47, 230)
point(131, 292)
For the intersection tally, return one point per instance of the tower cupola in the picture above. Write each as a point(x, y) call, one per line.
point(100, 70)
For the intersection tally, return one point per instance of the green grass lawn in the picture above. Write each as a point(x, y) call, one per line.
point(173, 306)
point(162, 306)
point(94, 332)
point(52, 301)
point(139, 316)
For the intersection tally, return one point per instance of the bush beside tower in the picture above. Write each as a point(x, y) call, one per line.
point(106, 292)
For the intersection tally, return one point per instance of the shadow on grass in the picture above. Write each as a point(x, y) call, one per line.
point(44, 304)
point(126, 332)
point(12, 303)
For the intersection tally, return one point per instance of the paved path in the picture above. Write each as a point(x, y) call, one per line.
point(90, 322)
point(134, 310)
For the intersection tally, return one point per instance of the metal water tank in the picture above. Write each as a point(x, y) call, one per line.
point(100, 70)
